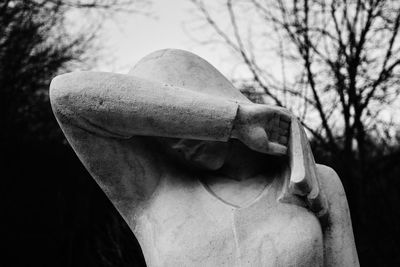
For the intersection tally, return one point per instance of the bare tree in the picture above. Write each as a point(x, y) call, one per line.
point(344, 57)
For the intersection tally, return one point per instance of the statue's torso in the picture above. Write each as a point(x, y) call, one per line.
point(185, 225)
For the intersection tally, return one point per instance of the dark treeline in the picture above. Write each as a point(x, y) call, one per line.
point(375, 209)
point(55, 214)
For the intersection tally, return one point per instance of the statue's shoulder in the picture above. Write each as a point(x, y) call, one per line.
point(331, 184)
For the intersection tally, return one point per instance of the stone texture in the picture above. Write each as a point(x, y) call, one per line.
point(183, 156)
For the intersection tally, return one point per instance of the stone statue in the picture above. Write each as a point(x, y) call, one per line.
point(202, 176)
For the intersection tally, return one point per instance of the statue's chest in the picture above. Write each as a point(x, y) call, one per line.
point(280, 235)
point(190, 228)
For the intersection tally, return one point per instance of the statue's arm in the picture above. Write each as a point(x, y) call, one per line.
point(339, 245)
point(100, 112)
point(120, 106)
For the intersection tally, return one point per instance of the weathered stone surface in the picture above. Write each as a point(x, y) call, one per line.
point(202, 176)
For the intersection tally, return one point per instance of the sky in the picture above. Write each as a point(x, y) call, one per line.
point(129, 37)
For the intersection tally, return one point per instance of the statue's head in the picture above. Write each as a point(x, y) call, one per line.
point(205, 155)
point(183, 69)
point(186, 70)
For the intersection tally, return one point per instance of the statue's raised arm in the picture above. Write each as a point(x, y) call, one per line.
point(101, 112)
point(203, 176)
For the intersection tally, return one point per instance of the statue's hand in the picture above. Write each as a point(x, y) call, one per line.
point(263, 128)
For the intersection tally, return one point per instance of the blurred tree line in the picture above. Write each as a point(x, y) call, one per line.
point(55, 214)
point(339, 71)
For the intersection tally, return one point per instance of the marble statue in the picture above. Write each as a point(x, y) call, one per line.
point(203, 176)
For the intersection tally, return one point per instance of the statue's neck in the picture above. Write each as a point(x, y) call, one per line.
point(243, 163)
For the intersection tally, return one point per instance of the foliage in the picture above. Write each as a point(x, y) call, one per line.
point(34, 46)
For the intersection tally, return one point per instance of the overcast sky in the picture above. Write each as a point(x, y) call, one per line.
point(129, 37)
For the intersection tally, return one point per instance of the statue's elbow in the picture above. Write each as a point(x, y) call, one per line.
point(64, 93)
